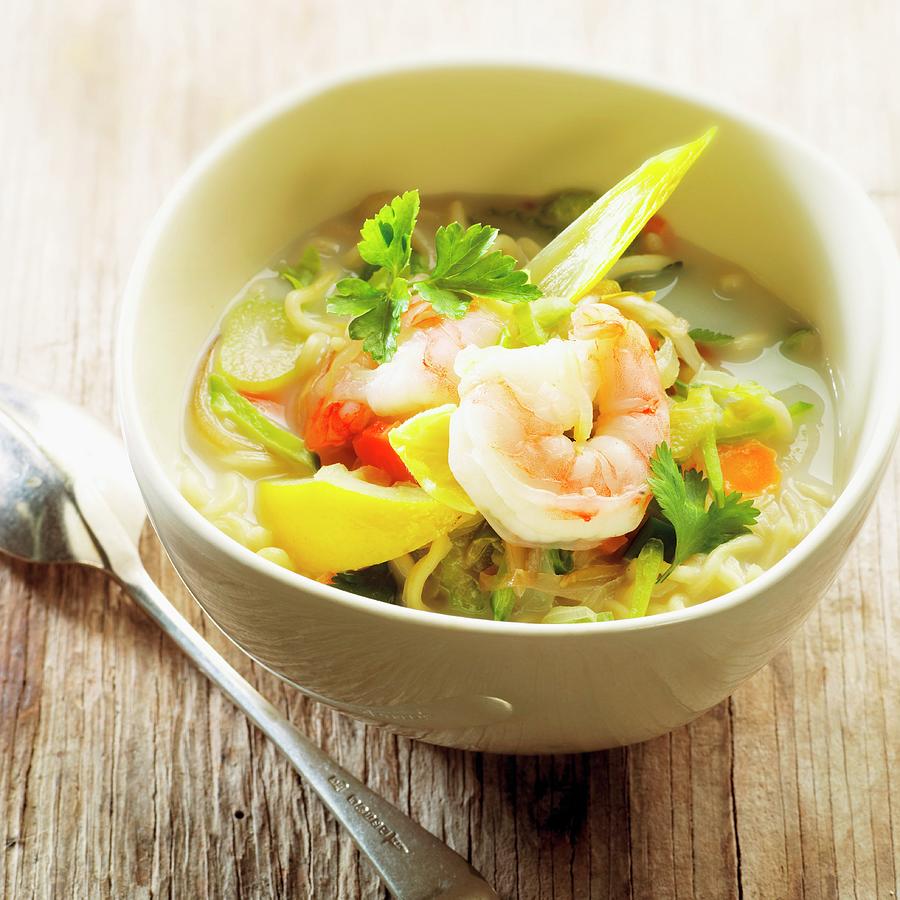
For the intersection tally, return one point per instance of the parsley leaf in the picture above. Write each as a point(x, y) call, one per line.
point(377, 312)
point(464, 269)
point(708, 336)
point(418, 263)
point(386, 238)
point(352, 297)
point(682, 499)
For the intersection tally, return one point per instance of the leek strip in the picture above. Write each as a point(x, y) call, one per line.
point(574, 261)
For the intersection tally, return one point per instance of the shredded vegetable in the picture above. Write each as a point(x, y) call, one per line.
point(226, 401)
point(646, 570)
point(573, 262)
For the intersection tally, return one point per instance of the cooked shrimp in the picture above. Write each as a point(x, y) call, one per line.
point(421, 374)
point(510, 443)
point(351, 392)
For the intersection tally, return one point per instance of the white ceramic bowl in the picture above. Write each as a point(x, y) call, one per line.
point(758, 197)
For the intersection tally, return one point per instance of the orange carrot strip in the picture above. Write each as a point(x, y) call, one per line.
point(748, 467)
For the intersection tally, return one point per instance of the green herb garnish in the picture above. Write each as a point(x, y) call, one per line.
point(387, 238)
point(708, 336)
point(376, 582)
point(682, 499)
point(464, 268)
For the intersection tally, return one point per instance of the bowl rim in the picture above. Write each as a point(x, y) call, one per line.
point(865, 475)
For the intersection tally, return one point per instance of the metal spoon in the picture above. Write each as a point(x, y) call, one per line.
point(67, 495)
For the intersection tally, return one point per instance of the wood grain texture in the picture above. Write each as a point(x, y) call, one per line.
point(122, 774)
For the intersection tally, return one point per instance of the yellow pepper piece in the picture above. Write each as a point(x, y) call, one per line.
point(423, 443)
point(335, 521)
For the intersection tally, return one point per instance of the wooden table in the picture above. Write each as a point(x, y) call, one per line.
point(124, 775)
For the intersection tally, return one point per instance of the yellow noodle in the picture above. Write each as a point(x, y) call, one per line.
point(229, 495)
point(458, 213)
point(784, 520)
point(244, 531)
point(422, 244)
point(311, 355)
point(276, 555)
point(418, 574)
point(509, 245)
point(306, 323)
point(194, 487)
point(402, 566)
point(529, 247)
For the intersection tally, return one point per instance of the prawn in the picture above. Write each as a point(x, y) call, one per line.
point(421, 375)
point(553, 443)
point(350, 393)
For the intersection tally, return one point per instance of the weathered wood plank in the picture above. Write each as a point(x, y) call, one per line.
point(123, 774)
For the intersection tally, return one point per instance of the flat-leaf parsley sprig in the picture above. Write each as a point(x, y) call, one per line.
point(464, 268)
point(682, 499)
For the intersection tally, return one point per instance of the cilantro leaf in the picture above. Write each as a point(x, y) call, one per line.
point(464, 269)
point(304, 273)
point(708, 336)
point(386, 238)
point(682, 499)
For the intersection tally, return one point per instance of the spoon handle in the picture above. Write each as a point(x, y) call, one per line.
point(413, 863)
